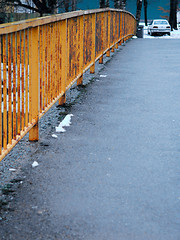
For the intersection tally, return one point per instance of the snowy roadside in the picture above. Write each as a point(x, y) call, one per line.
point(175, 34)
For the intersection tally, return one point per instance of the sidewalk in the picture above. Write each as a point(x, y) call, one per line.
point(114, 173)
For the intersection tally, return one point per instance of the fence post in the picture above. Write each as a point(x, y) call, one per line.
point(81, 50)
point(120, 27)
point(112, 49)
point(102, 36)
point(123, 27)
point(101, 60)
point(109, 33)
point(113, 32)
point(63, 40)
point(0, 105)
point(92, 68)
point(34, 82)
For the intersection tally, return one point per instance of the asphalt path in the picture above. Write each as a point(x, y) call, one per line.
point(115, 173)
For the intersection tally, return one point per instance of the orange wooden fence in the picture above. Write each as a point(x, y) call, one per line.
point(42, 58)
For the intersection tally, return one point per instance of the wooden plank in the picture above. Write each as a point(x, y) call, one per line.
point(34, 106)
point(64, 57)
point(26, 77)
point(0, 102)
point(14, 84)
point(22, 80)
point(9, 91)
point(18, 85)
point(4, 94)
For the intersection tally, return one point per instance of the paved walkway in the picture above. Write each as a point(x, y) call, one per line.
point(115, 173)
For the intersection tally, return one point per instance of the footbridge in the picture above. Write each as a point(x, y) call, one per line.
point(114, 172)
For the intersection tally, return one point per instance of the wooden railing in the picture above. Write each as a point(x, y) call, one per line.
point(42, 58)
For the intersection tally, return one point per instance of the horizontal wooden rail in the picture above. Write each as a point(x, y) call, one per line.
point(42, 58)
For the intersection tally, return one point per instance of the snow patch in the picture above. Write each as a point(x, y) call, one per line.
point(35, 164)
point(12, 169)
point(54, 136)
point(65, 123)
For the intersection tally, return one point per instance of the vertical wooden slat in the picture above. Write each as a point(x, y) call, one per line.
point(26, 77)
point(117, 31)
point(93, 54)
point(102, 37)
point(9, 91)
point(4, 94)
point(105, 31)
point(119, 22)
point(14, 85)
point(109, 33)
point(68, 54)
point(78, 48)
point(55, 60)
point(128, 26)
point(43, 64)
point(76, 65)
point(113, 30)
point(124, 27)
point(30, 75)
point(34, 107)
point(0, 101)
point(120, 28)
point(81, 61)
point(18, 85)
point(63, 40)
point(81, 49)
point(49, 63)
point(22, 79)
point(46, 67)
point(58, 59)
point(115, 27)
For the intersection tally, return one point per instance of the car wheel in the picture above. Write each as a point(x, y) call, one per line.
point(151, 34)
point(169, 34)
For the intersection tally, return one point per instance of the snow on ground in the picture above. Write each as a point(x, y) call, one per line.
point(65, 123)
point(175, 34)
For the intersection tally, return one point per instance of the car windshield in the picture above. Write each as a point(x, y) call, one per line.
point(161, 22)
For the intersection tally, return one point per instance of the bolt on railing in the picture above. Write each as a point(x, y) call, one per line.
point(42, 58)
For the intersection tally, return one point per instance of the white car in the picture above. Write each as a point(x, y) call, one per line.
point(159, 26)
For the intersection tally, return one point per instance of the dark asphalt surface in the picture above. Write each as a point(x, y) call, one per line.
point(115, 173)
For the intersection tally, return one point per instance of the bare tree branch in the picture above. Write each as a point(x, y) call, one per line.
point(120, 4)
point(44, 6)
